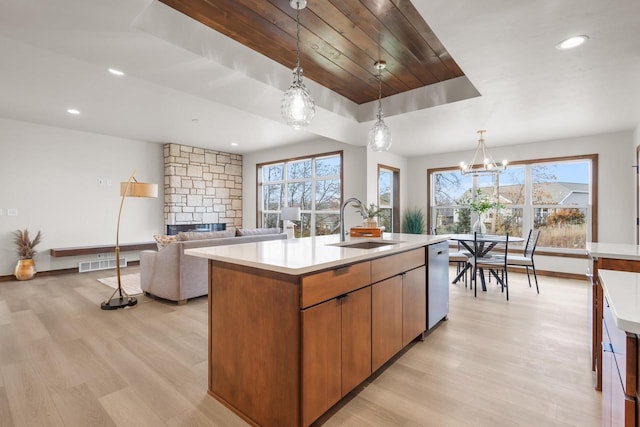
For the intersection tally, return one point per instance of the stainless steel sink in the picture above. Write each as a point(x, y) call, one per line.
point(367, 244)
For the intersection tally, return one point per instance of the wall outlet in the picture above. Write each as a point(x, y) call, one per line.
point(12, 211)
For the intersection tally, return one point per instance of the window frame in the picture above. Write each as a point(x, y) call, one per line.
point(312, 211)
point(395, 196)
point(593, 158)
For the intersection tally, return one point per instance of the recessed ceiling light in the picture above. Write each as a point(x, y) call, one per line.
point(73, 111)
point(234, 144)
point(572, 42)
point(116, 72)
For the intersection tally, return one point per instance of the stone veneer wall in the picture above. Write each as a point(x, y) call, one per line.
point(202, 186)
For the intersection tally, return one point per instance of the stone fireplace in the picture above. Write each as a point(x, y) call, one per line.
point(202, 186)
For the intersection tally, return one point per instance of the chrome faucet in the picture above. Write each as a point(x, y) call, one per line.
point(346, 202)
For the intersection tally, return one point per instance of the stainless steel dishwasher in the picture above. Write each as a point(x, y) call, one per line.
point(437, 283)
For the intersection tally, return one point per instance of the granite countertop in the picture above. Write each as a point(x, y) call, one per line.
point(622, 290)
point(310, 254)
point(614, 250)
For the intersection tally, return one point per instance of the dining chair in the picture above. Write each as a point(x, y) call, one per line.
point(526, 259)
point(495, 262)
point(460, 258)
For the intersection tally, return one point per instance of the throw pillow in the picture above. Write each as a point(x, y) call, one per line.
point(256, 231)
point(164, 241)
point(201, 235)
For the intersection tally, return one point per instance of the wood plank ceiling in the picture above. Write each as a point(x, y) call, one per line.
point(340, 41)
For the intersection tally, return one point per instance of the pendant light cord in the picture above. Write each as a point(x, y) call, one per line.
point(298, 40)
point(379, 93)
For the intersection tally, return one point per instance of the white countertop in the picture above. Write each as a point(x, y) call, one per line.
point(622, 290)
point(614, 250)
point(309, 254)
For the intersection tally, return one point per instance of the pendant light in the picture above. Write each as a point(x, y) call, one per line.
point(379, 136)
point(297, 106)
point(482, 162)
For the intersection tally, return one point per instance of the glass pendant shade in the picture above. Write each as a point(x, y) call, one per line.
point(379, 136)
point(298, 108)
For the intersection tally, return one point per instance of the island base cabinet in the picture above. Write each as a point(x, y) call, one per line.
point(335, 337)
point(414, 304)
point(386, 320)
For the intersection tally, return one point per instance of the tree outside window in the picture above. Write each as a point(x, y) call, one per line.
point(553, 196)
point(313, 183)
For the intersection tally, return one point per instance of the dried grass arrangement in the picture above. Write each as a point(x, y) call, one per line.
point(24, 245)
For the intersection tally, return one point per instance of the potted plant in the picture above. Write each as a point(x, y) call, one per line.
point(371, 213)
point(25, 248)
point(413, 221)
point(481, 204)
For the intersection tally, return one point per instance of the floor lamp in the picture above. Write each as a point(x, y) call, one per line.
point(131, 188)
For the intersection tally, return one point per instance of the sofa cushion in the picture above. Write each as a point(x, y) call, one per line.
point(163, 240)
point(256, 231)
point(201, 235)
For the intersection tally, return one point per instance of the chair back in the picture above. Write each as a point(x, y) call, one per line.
point(532, 242)
point(501, 247)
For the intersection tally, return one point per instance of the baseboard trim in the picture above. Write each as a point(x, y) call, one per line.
point(11, 277)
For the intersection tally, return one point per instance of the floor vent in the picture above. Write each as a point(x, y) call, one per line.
point(100, 264)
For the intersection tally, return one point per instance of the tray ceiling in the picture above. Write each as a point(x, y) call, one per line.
point(340, 41)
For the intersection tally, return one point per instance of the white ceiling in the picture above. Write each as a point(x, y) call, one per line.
point(187, 84)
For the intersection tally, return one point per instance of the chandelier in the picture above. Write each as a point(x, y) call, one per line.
point(298, 108)
point(379, 136)
point(482, 162)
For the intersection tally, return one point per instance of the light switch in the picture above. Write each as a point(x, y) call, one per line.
point(1, 212)
point(12, 211)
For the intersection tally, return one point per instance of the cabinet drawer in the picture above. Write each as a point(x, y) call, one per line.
point(320, 287)
point(383, 268)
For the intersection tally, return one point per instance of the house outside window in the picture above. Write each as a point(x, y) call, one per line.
point(314, 184)
point(554, 196)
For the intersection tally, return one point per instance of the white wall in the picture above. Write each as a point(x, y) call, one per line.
point(354, 169)
point(51, 176)
point(616, 182)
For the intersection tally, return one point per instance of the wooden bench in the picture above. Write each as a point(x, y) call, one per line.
point(93, 250)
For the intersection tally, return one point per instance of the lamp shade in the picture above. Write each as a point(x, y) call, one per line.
point(291, 214)
point(138, 189)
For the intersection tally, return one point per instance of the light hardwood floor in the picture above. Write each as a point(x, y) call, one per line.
point(65, 362)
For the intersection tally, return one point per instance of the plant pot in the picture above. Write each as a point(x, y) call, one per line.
point(479, 226)
point(25, 269)
point(370, 223)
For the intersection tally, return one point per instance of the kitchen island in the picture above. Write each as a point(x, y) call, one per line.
point(294, 325)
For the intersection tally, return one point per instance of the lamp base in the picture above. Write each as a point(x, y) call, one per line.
point(119, 302)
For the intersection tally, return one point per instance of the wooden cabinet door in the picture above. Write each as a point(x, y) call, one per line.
point(321, 359)
point(356, 338)
point(386, 320)
point(414, 304)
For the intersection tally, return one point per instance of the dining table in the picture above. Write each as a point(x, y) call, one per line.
point(487, 243)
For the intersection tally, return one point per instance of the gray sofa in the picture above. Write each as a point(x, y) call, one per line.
point(169, 273)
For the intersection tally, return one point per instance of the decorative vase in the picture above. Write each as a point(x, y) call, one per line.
point(479, 226)
point(25, 269)
point(370, 223)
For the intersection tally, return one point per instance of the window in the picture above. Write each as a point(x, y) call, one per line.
point(389, 198)
point(312, 183)
point(554, 196)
